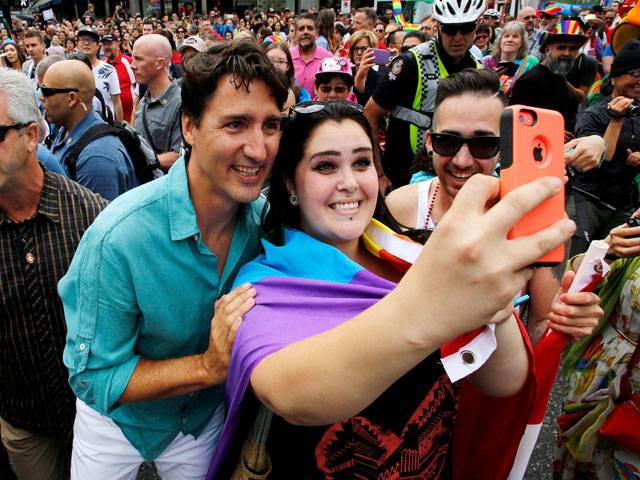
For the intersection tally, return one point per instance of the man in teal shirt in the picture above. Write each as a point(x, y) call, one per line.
point(146, 359)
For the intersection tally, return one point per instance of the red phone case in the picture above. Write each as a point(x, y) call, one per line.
point(532, 146)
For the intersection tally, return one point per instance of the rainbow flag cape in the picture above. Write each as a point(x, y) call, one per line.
point(307, 287)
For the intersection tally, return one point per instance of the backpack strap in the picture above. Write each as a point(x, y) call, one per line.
point(89, 136)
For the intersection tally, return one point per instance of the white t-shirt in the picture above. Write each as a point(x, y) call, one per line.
point(424, 199)
point(107, 82)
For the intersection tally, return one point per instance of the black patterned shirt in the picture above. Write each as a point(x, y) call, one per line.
point(34, 390)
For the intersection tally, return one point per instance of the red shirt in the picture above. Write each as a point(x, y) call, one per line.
point(127, 79)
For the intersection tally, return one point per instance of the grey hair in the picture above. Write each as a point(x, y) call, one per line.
point(19, 95)
point(45, 63)
point(517, 27)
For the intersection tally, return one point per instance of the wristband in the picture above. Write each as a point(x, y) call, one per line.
point(614, 114)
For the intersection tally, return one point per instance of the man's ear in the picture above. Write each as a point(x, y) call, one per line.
point(188, 127)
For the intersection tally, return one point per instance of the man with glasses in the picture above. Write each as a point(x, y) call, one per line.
point(527, 16)
point(407, 91)
point(103, 166)
point(106, 77)
point(42, 218)
point(180, 37)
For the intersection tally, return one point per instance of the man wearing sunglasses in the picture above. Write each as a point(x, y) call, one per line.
point(103, 166)
point(407, 91)
point(42, 218)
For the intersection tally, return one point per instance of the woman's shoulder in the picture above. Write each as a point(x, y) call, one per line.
point(403, 203)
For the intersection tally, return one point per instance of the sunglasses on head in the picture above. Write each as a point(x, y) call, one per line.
point(4, 129)
point(308, 108)
point(452, 28)
point(50, 91)
point(481, 147)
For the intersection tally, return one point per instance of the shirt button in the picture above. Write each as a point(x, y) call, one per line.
point(83, 384)
point(82, 347)
point(468, 357)
point(30, 258)
point(70, 141)
point(164, 101)
point(184, 420)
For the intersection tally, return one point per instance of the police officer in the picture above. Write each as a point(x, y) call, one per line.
point(408, 90)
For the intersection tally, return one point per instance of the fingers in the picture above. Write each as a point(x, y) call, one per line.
point(574, 332)
point(235, 304)
point(567, 279)
point(506, 213)
point(474, 195)
point(529, 249)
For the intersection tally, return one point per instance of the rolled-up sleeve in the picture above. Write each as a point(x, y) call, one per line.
point(102, 321)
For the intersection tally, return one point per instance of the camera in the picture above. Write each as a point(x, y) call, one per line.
point(633, 222)
point(632, 110)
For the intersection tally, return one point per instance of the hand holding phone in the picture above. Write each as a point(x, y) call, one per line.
point(509, 68)
point(532, 146)
point(381, 57)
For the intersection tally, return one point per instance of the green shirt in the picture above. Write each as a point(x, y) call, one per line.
point(142, 284)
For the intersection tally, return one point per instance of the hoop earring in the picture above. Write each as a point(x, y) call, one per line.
point(293, 200)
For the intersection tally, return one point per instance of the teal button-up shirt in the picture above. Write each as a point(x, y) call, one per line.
point(142, 284)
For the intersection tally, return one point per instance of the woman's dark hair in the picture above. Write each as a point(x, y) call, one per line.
point(295, 137)
point(242, 59)
point(168, 35)
point(326, 21)
point(417, 34)
point(484, 28)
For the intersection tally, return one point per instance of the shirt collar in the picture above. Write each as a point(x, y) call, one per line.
point(90, 119)
point(49, 204)
point(182, 216)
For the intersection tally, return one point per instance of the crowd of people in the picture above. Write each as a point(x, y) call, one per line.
point(271, 244)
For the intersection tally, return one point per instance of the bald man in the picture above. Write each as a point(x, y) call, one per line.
point(527, 16)
point(157, 115)
point(103, 166)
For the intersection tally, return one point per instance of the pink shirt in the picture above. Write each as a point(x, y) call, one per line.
point(305, 73)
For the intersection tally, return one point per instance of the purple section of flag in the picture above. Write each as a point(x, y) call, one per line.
point(288, 310)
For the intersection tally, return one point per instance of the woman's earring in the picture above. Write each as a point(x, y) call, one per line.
point(293, 199)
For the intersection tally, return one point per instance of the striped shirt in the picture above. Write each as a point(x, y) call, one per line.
point(34, 390)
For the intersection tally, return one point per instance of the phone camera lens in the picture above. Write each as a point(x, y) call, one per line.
point(521, 118)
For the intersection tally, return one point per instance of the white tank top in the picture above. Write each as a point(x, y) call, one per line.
point(423, 204)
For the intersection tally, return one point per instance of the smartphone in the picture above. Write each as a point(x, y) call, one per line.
point(381, 57)
point(510, 68)
point(532, 146)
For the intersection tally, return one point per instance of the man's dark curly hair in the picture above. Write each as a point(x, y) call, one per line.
point(243, 60)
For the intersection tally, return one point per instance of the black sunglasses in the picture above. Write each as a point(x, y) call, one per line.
point(307, 108)
point(4, 129)
point(481, 147)
point(452, 28)
point(50, 91)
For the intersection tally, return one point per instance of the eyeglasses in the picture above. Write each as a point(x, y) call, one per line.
point(279, 62)
point(339, 89)
point(87, 40)
point(180, 31)
point(452, 28)
point(4, 129)
point(50, 91)
point(308, 108)
point(634, 73)
point(481, 147)
point(359, 49)
point(379, 30)
point(482, 36)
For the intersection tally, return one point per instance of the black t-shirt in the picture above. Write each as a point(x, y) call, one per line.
point(370, 85)
point(405, 433)
point(542, 89)
point(613, 181)
point(398, 87)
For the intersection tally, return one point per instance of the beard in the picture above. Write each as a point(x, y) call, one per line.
point(560, 66)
